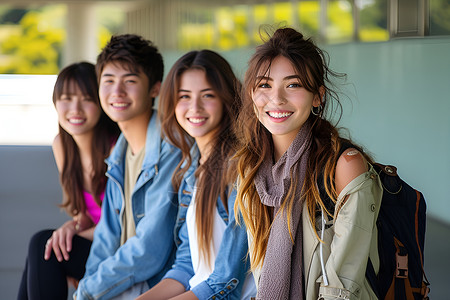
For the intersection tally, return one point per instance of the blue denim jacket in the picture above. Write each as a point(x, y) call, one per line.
point(111, 268)
point(231, 265)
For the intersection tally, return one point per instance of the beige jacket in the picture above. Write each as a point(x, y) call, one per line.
point(347, 244)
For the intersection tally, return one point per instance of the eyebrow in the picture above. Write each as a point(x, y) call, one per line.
point(125, 75)
point(260, 78)
point(291, 77)
point(188, 91)
point(270, 78)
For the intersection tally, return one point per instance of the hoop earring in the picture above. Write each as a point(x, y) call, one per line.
point(319, 110)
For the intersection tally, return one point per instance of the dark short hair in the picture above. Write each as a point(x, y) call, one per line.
point(134, 52)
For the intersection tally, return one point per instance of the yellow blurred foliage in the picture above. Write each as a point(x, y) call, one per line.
point(234, 27)
point(34, 46)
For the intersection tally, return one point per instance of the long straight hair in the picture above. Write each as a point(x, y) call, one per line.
point(105, 135)
point(311, 64)
point(216, 174)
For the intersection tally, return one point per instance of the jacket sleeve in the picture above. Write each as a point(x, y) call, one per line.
point(354, 233)
point(106, 235)
point(231, 265)
point(144, 256)
point(182, 270)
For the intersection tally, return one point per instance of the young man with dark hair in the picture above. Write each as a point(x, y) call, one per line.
point(133, 242)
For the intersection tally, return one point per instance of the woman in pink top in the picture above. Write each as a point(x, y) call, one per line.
point(86, 137)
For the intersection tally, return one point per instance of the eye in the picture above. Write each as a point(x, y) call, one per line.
point(209, 95)
point(87, 98)
point(294, 85)
point(184, 97)
point(64, 98)
point(107, 81)
point(264, 85)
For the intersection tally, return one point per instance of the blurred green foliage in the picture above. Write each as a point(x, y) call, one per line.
point(440, 17)
point(232, 27)
point(32, 45)
point(32, 39)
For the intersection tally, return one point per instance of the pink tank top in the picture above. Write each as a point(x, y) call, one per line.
point(92, 207)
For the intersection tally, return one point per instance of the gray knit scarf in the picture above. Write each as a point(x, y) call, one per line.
point(282, 270)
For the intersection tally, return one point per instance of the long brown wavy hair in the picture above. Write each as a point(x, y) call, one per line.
point(105, 135)
point(311, 64)
point(215, 176)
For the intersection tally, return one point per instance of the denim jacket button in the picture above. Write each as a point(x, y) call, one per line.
point(229, 287)
point(222, 292)
point(117, 211)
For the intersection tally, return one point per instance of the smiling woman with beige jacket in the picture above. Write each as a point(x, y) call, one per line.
point(310, 207)
point(345, 246)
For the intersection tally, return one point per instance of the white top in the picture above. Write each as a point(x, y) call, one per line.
point(201, 268)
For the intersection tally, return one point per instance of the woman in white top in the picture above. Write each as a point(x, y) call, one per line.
point(198, 104)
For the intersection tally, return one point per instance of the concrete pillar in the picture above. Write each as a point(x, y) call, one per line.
point(82, 27)
point(323, 20)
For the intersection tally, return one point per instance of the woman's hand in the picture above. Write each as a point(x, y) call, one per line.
point(61, 240)
point(83, 221)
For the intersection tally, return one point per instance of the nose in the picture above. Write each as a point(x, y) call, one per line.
point(76, 105)
point(196, 104)
point(118, 89)
point(277, 96)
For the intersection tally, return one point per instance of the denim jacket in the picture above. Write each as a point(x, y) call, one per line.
point(112, 268)
point(231, 266)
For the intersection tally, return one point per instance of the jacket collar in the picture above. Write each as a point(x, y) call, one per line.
point(152, 146)
point(189, 176)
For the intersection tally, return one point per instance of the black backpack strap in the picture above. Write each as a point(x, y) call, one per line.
point(329, 204)
point(344, 146)
point(372, 278)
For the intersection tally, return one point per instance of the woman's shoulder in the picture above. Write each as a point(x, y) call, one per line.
point(350, 165)
point(57, 142)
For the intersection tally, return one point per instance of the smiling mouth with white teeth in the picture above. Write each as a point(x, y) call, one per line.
point(76, 121)
point(196, 120)
point(279, 115)
point(121, 104)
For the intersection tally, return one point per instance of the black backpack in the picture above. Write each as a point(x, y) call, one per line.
point(401, 234)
